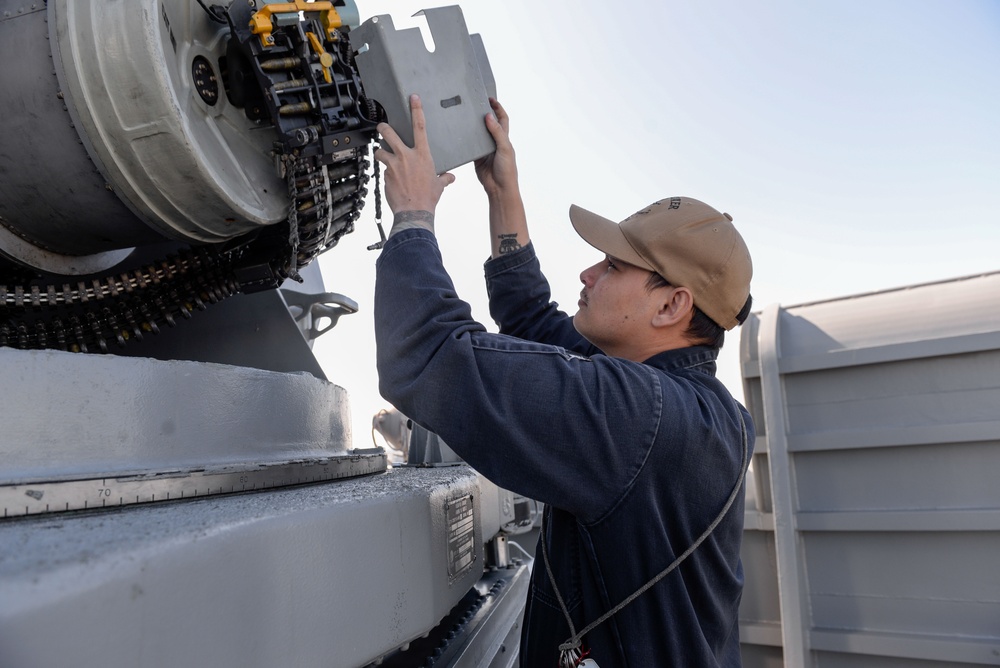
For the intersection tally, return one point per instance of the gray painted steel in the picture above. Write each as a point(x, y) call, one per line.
point(331, 575)
point(873, 512)
point(108, 145)
point(97, 493)
point(271, 330)
point(61, 207)
point(85, 416)
point(187, 169)
point(454, 81)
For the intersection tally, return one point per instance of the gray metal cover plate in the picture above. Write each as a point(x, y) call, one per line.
point(454, 82)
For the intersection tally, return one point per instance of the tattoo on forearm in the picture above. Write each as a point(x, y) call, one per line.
point(508, 243)
point(413, 217)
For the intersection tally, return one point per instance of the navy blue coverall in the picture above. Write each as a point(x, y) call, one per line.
point(635, 460)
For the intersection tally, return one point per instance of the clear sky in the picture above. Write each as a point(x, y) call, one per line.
point(856, 144)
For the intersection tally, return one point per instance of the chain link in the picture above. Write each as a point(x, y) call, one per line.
point(120, 308)
point(378, 208)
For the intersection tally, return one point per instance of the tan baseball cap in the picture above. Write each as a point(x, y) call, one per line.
point(686, 242)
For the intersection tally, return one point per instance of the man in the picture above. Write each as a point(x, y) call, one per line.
point(613, 418)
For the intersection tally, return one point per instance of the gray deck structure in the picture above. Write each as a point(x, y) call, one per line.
point(873, 510)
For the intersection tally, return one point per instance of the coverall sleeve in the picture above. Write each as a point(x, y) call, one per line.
point(521, 303)
point(565, 429)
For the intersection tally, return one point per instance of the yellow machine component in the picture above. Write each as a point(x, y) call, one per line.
point(325, 59)
point(261, 24)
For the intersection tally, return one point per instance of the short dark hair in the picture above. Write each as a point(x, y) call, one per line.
point(702, 329)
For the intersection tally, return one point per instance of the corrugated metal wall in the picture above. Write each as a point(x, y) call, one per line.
point(873, 509)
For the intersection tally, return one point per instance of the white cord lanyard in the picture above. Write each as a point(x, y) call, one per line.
point(570, 654)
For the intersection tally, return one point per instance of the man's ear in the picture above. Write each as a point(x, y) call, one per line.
point(675, 308)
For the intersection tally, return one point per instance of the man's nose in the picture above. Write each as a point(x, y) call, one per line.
point(587, 275)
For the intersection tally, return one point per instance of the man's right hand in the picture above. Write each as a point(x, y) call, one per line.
point(498, 171)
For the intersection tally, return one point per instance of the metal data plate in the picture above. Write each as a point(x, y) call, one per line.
point(460, 518)
point(454, 82)
point(91, 494)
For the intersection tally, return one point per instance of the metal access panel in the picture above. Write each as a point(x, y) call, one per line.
point(454, 82)
point(873, 512)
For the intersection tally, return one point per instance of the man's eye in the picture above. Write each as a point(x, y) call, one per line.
point(611, 264)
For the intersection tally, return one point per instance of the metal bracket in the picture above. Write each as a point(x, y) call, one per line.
point(454, 82)
point(278, 13)
point(309, 309)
